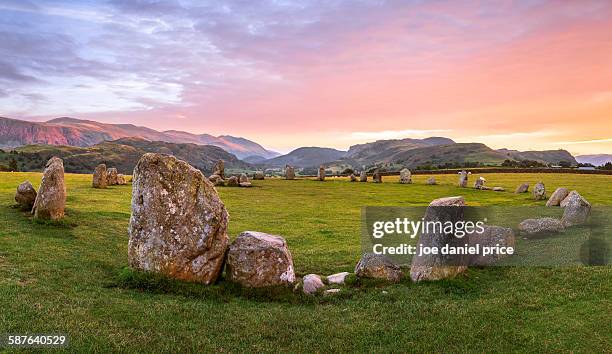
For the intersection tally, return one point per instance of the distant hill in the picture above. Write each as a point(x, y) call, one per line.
point(122, 154)
point(595, 160)
point(545, 156)
point(82, 133)
point(382, 150)
point(306, 157)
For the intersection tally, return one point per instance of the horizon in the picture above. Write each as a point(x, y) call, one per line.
point(533, 75)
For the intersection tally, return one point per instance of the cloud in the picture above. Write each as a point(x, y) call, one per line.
point(594, 141)
point(395, 134)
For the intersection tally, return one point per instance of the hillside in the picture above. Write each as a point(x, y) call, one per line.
point(122, 154)
point(379, 150)
point(595, 160)
point(306, 157)
point(545, 156)
point(83, 133)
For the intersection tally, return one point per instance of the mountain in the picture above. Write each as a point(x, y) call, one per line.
point(122, 154)
point(595, 160)
point(545, 156)
point(380, 149)
point(306, 157)
point(82, 133)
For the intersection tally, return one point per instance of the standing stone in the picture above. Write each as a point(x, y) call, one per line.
point(259, 175)
point(523, 188)
point(244, 178)
point(121, 179)
point(352, 177)
point(233, 181)
point(490, 237)
point(439, 266)
point(111, 176)
point(376, 176)
point(25, 196)
point(405, 176)
point(577, 210)
point(312, 283)
point(558, 195)
point(178, 225)
point(463, 179)
point(256, 259)
point(431, 181)
point(539, 191)
point(216, 180)
point(479, 183)
point(321, 173)
point(378, 266)
point(51, 198)
point(363, 176)
point(219, 169)
point(289, 172)
point(99, 177)
point(566, 199)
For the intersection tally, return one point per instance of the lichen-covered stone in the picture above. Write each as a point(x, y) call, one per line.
point(439, 266)
point(540, 226)
point(463, 179)
point(497, 189)
point(577, 210)
point(378, 266)
point(111, 176)
point(178, 225)
point(256, 259)
point(246, 185)
point(259, 176)
point(51, 197)
point(539, 191)
point(490, 237)
point(558, 195)
point(219, 169)
point(352, 177)
point(567, 198)
point(523, 188)
point(405, 176)
point(479, 183)
point(376, 176)
point(431, 181)
point(244, 178)
point(289, 172)
point(337, 278)
point(100, 177)
point(233, 182)
point(25, 196)
point(321, 173)
point(216, 180)
point(312, 284)
point(121, 179)
point(363, 176)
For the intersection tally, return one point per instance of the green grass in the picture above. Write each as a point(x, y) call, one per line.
point(71, 277)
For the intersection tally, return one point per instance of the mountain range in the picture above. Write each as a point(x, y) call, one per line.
point(595, 160)
point(83, 133)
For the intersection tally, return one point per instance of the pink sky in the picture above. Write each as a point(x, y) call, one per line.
point(523, 75)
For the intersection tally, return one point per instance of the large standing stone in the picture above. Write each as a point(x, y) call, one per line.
point(539, 191)
point(523, 188)
point(219, 169)
point(232, 181)
point(259, 175)
point(376, 176)
point(363, 176)
point(463, 178)
point(439, 266)
point(567, 199)
point(479, 183)
point(321, 173)
point(405, 176)
point(100, 177)
point(540, 226)
point(111, 176)
point(378, 266)
point(289, 172)
point(25, 196)
point(558, 195)
point(51, 198)
point(256, 259)
point(490, 237)
point(178, 225)
point(244, 178)
point(352, 177)
point(431, 181)
point(577, 210)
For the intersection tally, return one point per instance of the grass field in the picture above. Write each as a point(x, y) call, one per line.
point(67, 278)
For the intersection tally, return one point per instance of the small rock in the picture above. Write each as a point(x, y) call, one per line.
point(378, 267)
point(405, 176)
point(540, 226)
point(337, 278)
point(25, 196)
point(577, 210)
point(312, 283)
point(431, 181)
point(111, 176)
point(539, 191)
point(256, 259)
point(100, 177)
point(121, 179)
point(244, 178)
point(233, 181)
point(331, 291)
point(259, 176)
point(363, 176)
point(216, 180)
point(246, 185)
point(376, 176)
point(479, 183)
point(498, 189)
point(523, 188)
point(353, 178)
point(557, 197)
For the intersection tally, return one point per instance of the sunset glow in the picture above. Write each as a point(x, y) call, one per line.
point(522, 75)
